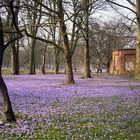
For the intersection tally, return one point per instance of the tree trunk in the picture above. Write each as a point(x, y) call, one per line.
point(66, 48)
point(108, 66)
point(56, 60)
point(15, 47)
point(67, 60)
point(15, 59)
point(7, 107)
point(32, 57)
point(44, 61)
point(68, 70)
point(87, 72)
point(33, 28)
point(137, 72)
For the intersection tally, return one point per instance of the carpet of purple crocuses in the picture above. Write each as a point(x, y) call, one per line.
point(100, 108)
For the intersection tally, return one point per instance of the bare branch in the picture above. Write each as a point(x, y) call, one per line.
point(44, 40)
point(132, 3)
point(121, 6)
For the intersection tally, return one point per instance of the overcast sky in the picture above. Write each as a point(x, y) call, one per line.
point(109, 14)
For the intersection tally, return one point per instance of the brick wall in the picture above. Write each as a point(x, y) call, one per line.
point(123, 61)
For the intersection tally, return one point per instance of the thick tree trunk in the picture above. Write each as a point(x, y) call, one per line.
point(67, 60)
point(137, 72)
point(66, 48)
point(7, 107)
point(68, 70)
point(87, 72)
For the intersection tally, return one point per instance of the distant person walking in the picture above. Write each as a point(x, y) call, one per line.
point(99, 70)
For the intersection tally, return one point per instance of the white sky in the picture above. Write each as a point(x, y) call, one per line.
point(110, 14)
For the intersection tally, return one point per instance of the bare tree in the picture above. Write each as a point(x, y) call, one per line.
point(8, 114)
point(108, 36)
point(65, 42)
point(86, 38)
point(34, 18)
point(64, 38)
point(137, 12)
point(14, 45)
point(7, 107)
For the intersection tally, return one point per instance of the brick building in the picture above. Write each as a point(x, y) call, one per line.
point(123, 61)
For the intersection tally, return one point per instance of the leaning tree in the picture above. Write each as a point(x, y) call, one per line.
point(7, 107)
point(8, 114)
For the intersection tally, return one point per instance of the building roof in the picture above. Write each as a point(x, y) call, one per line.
point(119, 49)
